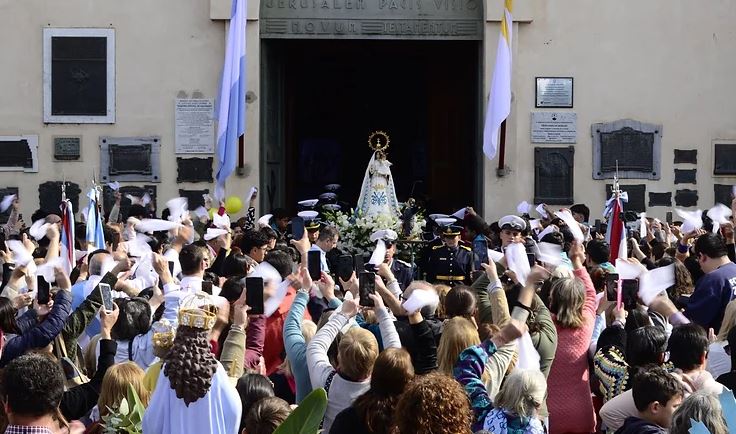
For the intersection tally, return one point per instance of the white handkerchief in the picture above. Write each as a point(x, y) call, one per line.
point(535, 224)
point(47, 269)
point(495, 255)
point(21, 256)
point(524, 207)
point(627, 270)
point(549, 253)
point(6, 202)
point(691, 220)
point(460, 214)
point(146, 199)
point(213, 233)
point(263, 221)
point(177, 207)
point(517, 261)
point(541, 211)
point(134, 200)
point(114, 186)
point(643, 225)
point(155, 225)
point(528, 355)
point(654, 282)
point(252, 192)
point(720, 215)
point(221, 221)
point(548, 230)
point(272, 303)
point(574, 226)
point(138, 246)
point(420, 298)
point(267, 272)
point(38, 229)
point(379, 253)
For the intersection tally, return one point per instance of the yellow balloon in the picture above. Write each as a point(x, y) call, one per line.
point(233, 205)
point(212, 211)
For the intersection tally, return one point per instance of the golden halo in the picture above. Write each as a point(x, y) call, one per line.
point(375, 142)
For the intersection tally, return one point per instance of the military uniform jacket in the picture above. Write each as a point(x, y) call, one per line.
point(403, 273)
point(450, 266)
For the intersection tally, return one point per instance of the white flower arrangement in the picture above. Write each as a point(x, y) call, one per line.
point(355, 229)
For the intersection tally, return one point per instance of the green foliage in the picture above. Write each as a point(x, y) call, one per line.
point(127, 418)
point(306, 418)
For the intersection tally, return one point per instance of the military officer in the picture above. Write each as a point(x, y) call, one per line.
point(451, 263)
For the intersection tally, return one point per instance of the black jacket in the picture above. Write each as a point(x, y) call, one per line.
point(635, 425)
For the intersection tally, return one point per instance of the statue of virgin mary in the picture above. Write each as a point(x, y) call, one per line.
point(378, 195)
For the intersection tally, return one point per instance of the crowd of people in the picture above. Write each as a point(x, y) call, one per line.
point(525, 325)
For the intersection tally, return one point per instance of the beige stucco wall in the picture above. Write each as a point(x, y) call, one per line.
point(660, 61)
point(162, 47)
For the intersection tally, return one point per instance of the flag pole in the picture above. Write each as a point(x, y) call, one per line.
point(502, 148)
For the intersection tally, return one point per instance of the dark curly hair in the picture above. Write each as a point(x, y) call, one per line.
point(190, 365)
point(32, 385)
point(434, 403)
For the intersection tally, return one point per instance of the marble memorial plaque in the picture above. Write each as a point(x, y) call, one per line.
point(723, 193)
point(108, 197)
point(724, 159)
point(49, 196)
point(194, 126)
point(4, 192)
point(549, 127)
point(195, 198)
point(686, 156)
point(633, 148)
point(135, 159)
point(686, 176)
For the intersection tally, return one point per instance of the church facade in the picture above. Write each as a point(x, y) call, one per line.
point(599, 88)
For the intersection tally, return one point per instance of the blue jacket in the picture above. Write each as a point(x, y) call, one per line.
point(43, 333)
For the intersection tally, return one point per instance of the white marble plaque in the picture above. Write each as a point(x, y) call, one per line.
point(549, 127)
point(195, 126)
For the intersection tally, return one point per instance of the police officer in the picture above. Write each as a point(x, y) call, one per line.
point(451, 263)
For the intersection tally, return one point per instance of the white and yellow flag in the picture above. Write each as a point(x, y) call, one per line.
point(499, 99)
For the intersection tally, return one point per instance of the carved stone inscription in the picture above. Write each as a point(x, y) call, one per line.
point(372, 19)
point(553, 175)
point(632, 147)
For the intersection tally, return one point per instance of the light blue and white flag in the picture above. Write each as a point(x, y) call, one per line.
point(95, 235)
point(231, 104)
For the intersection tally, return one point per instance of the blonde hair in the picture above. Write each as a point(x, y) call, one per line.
point(90, 356)
point(729, 320)
point(115, 386)
point(442, 291)
point(457, 334)
point(522, 393)
point(356, 353)
point(568, 298)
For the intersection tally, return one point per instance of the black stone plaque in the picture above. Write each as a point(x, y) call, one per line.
point(194, 169)
point(79, 76)
point(108, 197)
point(49, 196)
point(725, 159)
point(16, 153)
point(194, 197)
point(633, 150)
point(686, 156)
point(660, 199)
point(4, 192)
point(686, 198)
point(723, 193)
point(686, 176)
point(67, 148)
point(637, 196)
point(553, 175)
point(134, 159)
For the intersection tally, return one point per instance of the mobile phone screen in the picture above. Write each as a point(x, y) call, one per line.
point(44, 290)
point(254, 295)
point(612, 287)
point(297, 228)
point(171, 267)
point(629, 293)
point(359, 264)
point(366, 286)
point(207, 287)
point(106, 293)
point(532, 258)
point(344, 267)
point(314, 264)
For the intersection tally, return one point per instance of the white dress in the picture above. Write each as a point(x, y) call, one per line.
point(378, 195)
point(218, 412)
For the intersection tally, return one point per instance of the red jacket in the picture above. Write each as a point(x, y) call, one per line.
point(273, 350)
